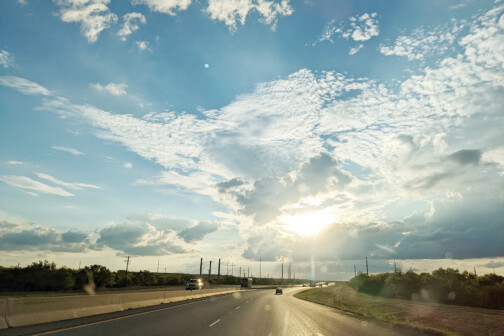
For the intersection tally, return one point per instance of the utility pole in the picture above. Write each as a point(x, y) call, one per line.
point(282, 272)
point(395, 267)
point(232, 270)
point(227, 268)
point(165, 270)
point(158, 266)
point(474, 270)
point(79, 264)
point(126, 274)
point(248, 272)
point(210, 270)
point(260, 260)
point(367, 269)
point(200, 267)
point(354, 270)
point(240, 274)
point(218, 273)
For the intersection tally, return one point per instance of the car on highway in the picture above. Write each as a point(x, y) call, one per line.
point(278, 291)
point(194, 284)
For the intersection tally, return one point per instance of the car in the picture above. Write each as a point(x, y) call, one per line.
point(278, 291)
point(194, 284)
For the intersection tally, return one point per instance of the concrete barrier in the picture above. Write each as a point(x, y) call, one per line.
point(3, 312)
point(17, 312)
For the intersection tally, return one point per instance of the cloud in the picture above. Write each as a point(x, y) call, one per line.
point(68, 150)
point(268, 196)
point(131, 24)
point(399, 133)
point(25, 183)
point(6, 59)
point(112, 88)
point(198, 231)
point(165, 6)
point(30, 237)
point(358, 28)
point(142, 45)
point(24, 86)
point(93, 15)
point(466, 156)
point(224, 186)
point(139, 240)
point(423, 43)
point(15, 162)
point(128, 165)
point(355, 50)
point(233, 12)
point(68, 185)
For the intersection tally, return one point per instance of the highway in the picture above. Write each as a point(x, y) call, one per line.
point(255, 312)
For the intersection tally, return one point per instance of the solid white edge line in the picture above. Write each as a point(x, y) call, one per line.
point(211, 325)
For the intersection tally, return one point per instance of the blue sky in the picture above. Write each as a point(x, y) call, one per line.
point(331, 130)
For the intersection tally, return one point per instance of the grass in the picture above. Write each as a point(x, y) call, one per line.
point(435, 318)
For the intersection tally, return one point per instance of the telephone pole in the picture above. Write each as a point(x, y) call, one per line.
point(158, 266)
point(282, 272)
point(210, 270)
point(260, 260)
point(474, 270)
point(248, 272)
point(395, 267)
point(227, 268)
point(367, 269)
point(240, 272)
point(126, 274)
point(218, 272)
point(354, 270)
point(200, 267)
point(232, 269)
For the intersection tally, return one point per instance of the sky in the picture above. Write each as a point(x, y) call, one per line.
point(314, 133)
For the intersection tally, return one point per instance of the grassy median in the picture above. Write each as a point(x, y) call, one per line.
point(435, 318)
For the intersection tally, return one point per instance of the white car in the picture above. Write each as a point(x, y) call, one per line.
point(194, 284)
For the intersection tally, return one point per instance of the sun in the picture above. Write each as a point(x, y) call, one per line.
point(308, 223)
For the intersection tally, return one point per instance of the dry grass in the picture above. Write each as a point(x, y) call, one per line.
point(438, 318)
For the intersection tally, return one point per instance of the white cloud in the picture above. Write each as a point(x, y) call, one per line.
point(165, 6)
point(15, 162)
point(24, 86)
point(128, 165)
point(27, 184)
point(421, 43)
point(93, 15)
point(233, 12)
point(358, 28)
point(142, 45)
point(355, 50)
point(112, 88)
point(68, 185)
point(131, 24)
point(6, 59)
point(68, 150)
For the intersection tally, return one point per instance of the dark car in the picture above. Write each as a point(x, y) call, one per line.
point(279, 291)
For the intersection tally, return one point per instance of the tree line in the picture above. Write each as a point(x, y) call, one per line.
point(46, 276)
point(447, 286)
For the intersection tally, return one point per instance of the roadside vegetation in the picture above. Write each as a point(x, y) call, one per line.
point(394, 301)
point(45, 276)
point(447, 286)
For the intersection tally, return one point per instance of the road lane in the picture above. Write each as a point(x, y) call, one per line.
point(257, 312)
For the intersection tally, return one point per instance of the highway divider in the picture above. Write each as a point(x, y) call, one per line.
point(18, 312)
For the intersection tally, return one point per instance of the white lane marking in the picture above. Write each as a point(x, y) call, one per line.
point(237, 307)
point(211, 325)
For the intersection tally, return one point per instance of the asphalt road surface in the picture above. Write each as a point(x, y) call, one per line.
point(256, 312)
